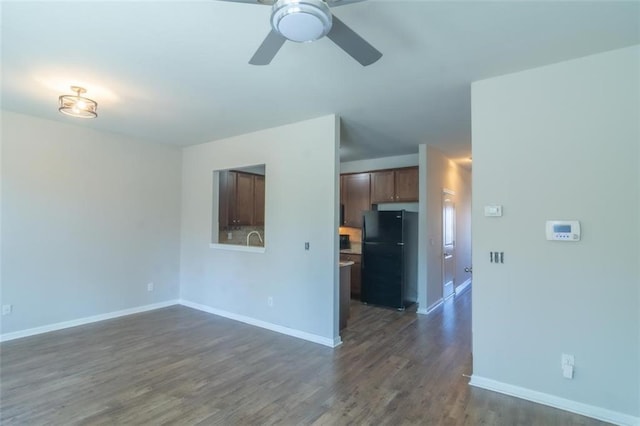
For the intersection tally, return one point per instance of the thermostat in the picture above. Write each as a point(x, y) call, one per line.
point(563, 230)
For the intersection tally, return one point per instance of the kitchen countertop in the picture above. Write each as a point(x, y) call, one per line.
point(347, 263)
point(350, 251)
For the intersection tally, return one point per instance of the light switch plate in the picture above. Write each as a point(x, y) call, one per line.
point(493, 210)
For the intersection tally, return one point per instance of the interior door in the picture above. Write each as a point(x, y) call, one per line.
point(448, 243)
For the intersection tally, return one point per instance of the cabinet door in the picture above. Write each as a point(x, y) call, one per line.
point(356, 273)
point(382, 187)
point(258, 218)
point(407, 184)
point(356, 277)
point(232, 194)
point(223, 199)
point(356, 198)
point(244, 199)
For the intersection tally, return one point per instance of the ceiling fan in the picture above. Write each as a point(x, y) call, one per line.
point(304, 21)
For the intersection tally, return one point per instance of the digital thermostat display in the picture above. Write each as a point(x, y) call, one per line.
point(563, 230)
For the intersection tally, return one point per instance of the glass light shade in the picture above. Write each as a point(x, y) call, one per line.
point(76, 105)
point(301, 20)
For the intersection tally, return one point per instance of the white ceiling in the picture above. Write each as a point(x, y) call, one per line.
point(176, 71)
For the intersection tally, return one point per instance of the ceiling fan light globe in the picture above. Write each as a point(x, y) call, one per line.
point(301, 20)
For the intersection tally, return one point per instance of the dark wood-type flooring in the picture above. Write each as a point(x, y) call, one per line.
point(180, 366)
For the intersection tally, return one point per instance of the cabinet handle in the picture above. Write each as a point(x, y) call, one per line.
point(391, 198)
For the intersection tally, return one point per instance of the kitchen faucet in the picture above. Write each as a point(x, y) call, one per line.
point(254, 232)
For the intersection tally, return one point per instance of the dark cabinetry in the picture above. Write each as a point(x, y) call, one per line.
point(241, 201)
point(359, 191)
point(258, 200)
point(244, 199)
point(356, 272)
point(383, 187)
point(354, 195)
point(394, 186)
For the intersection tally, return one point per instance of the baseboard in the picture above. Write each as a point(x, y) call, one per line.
point(86, 320)
point(462, 287)
point(332, 343)
point(429, 309)
point(556, 402)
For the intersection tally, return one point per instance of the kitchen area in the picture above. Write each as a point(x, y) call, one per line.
point(378, 218)
point(377, 236)
point(241, 201)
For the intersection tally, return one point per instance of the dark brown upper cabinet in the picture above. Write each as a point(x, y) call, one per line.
point(394, 186)
point(354, 194)
point(241, 199)
point(258, 207)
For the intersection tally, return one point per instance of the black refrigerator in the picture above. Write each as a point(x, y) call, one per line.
point(389, 258)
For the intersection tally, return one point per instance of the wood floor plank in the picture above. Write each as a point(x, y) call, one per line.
point(178, 366)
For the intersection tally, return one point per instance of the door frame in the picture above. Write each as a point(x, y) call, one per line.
point(448, 193)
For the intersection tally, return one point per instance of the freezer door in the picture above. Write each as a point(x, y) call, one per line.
point(382, 274)
point(382, 226)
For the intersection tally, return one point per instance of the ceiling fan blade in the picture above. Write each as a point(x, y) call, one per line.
point(352, 43)
point(336, 3)
point(265, 2)
point(268, 49)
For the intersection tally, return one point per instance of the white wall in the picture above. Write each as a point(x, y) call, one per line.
point(560, 142)
point(88, 219)
point(301, 205)
point(379, 163)
point(442, 173)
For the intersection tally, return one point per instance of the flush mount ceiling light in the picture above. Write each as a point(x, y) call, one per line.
point(301, 20)
point(76, 105)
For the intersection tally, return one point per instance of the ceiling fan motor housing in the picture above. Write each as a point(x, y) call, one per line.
point(301, 20)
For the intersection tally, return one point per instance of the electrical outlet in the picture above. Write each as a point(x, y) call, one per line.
point(270, 301)
point(567, 371)
point(149, 286)
point(7, 309)
point(568, 360)
point(229, 235)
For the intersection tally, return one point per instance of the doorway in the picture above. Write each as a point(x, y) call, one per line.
point(448, 243)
